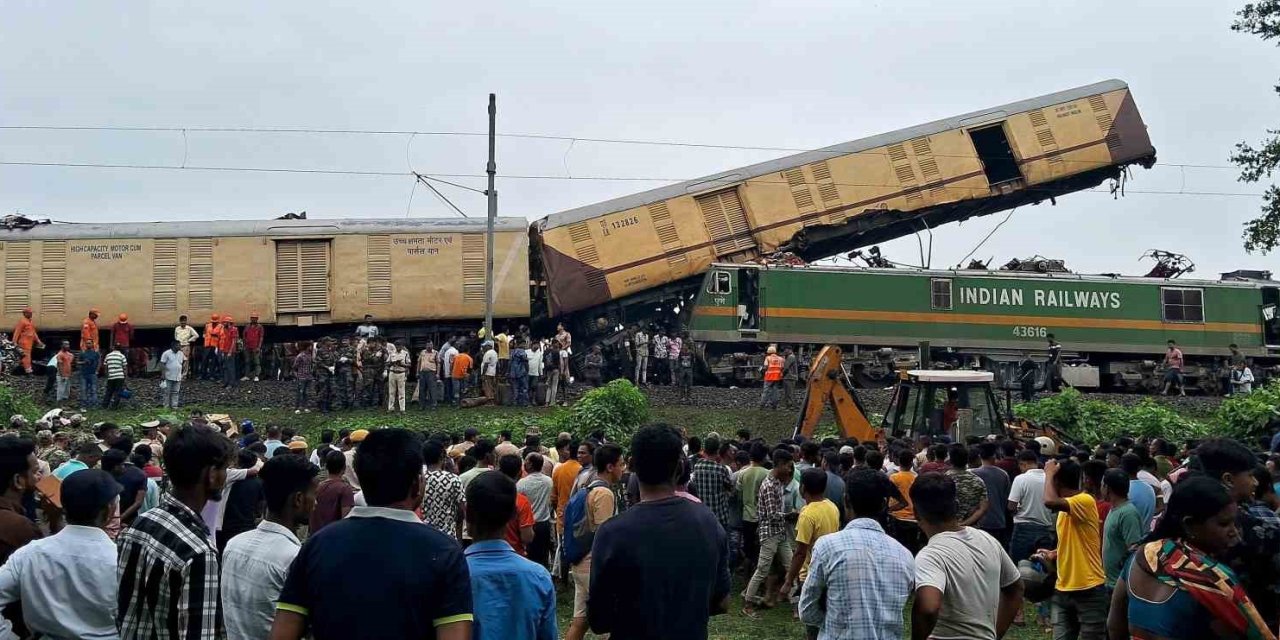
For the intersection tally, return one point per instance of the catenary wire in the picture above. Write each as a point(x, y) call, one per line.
point(439, 177)
point(526, 136)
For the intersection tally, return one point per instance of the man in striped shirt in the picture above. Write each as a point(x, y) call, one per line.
point(115, 363)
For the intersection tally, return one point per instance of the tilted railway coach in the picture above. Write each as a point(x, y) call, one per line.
point(292, 273)
point(1116, 328)
point(615, 259)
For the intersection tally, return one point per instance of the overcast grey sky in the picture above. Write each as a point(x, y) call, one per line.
point(781, 74)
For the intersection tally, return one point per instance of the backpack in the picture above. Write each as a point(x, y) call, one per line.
point(577, 532)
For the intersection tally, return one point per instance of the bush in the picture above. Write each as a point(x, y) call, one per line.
point(1246, 417)
point(1095, 421)
point(618, 409)
point(13, 402)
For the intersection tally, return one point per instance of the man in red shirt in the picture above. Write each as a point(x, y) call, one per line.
point(253, 335)
point(520, 529)
point(121, 333)
point(227, 352)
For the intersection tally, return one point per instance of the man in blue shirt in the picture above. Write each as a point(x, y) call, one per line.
point(409, 580)
point(1141, 494)
point(273, 440)
point(513, 597)
point(87, 456)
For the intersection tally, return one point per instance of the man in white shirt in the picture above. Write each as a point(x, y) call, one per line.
point(489, 372)
point(1033, 524)
point(447, 353)
point(367, 329)
point(966, 585)
point(172, 363)
point(67, 583)
point(537, 487)
point(256, 563)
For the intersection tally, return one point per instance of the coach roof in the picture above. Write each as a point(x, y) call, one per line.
point(735, 176)
point(242, 228)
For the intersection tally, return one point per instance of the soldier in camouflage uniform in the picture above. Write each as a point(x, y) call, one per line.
point(44, 443)
point(345, 373)
point(322, 369)
point(373, 365)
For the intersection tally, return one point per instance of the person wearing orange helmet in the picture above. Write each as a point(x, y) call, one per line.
point(253, 338)
point(122, 333)
point(210, 363)
point(89, 329)
point(26, 337)
point(227, 342)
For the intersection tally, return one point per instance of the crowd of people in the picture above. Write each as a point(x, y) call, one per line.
point(212, 529)
point(361, 369)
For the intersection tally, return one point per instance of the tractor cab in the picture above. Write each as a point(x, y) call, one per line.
point(944, 402)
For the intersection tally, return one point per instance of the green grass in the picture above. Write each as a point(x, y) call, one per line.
point(774, 624)
point(488, 419)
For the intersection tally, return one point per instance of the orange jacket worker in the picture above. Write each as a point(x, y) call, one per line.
point(89, 329)
point(25, 336)
point(211, 332)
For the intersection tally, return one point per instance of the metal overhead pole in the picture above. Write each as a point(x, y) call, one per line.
point(491, 169)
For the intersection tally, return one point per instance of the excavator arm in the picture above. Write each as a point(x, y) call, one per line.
point(828, 384)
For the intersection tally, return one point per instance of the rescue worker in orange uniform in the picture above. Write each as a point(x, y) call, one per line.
point(122, 334)
point(772, 378)
point(25, 336)
point(89, 329)
point(210, 363)
point(227, 339)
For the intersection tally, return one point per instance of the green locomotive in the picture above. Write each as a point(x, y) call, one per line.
point(1113, 329)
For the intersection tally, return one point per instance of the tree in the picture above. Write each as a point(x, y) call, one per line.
point(1261, 19)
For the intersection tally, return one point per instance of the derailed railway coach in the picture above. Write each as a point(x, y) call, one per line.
point(1112, 330)
point(306, 277)
point(617, 261)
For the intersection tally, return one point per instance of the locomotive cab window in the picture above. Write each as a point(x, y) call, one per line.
point(1182, 305)
point(721, 283)
point(940, 294)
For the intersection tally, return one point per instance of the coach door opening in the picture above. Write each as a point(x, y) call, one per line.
point(998, 162)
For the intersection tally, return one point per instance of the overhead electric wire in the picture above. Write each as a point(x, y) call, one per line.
point(439, 177)
point(526, 136)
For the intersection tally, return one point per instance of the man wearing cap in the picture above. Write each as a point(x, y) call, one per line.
point(89, 329)
point(67, 583)
point(107, 433)
point(122, 333)
point(355, 439)
point(186, 335)
point(772, 368)
point(210, 363)
point(26, 337)
point(227, 340)
point(253, 339)
point(152, 437)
